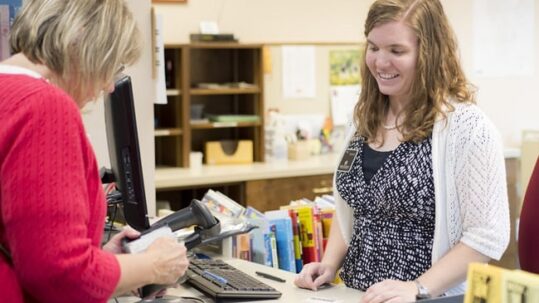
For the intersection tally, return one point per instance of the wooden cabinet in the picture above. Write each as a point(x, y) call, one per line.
point(269, 194)
point(209, 80)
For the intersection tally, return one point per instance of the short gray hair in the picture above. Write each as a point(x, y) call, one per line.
point(82, 42)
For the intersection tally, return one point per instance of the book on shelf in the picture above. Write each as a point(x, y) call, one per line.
point(234, 118)
point(222, 204)
point(326, 216)
point(273, 245)
point(298, 250)
point(260, 237)
point(243, 247)
point(284, 237)
point(308, 231)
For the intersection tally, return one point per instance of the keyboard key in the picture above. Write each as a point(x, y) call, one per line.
point(221, 280)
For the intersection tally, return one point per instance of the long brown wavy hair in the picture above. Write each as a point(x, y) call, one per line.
point(439, 78)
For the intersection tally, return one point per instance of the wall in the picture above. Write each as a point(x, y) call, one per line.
point(512, 103)
point(144, 93)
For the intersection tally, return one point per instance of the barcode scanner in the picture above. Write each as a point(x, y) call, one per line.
point(197, 214)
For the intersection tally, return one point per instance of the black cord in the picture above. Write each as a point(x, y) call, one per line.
point(116, 300)
point(111, 226)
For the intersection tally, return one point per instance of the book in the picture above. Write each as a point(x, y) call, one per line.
point(243, 246)
point(212, 38)
point(260, 241)
point(298, 251)
point(234, 118)
point(319, 238)
point(284, 238)
point(327, 218)
point(273, 245)
point(308, 231)
point(221, 204)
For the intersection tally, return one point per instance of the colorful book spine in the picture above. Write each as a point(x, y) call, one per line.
point(298, 251)
point(273, 244)
point(327, 219)
point(285, 238)
point(260, 241)
point(308, 232)
point(244, 247)
point(319, 244)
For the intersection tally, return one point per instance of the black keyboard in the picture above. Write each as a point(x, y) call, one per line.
point(219, 280)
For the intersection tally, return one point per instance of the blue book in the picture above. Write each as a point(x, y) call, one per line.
point(260, 241)
point(284, 237)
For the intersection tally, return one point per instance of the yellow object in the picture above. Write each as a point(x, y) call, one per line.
point(491, 284)
point(299, 150)
point(266, 60)
point(229, 152)
point(521, 287)
point(484, 283)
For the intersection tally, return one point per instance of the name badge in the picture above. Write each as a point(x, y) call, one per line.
point(347, 160)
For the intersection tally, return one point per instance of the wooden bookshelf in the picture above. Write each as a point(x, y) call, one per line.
point(190, 71)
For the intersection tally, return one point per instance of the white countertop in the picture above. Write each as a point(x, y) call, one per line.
point(219, 174)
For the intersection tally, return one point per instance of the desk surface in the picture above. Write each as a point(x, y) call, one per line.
point(169, 178)
point(337, 293)
point(218, 174)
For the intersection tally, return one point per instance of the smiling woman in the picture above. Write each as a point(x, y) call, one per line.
point(426, 162)
point(391, 58)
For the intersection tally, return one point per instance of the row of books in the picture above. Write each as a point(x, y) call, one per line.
point(286, 238)
point(488, 283)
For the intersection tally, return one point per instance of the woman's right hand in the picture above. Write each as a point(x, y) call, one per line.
point(169, 260)
point(315, 274)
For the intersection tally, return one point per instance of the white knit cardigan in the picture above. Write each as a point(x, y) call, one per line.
point(469, 186)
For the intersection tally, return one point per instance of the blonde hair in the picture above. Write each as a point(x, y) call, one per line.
point(83, 43)
point(439, 76)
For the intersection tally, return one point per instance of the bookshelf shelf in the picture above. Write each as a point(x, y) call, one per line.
point(163, 132)
point(203, 80)
point(224, 91)
point(211, 125)
point(173, 92)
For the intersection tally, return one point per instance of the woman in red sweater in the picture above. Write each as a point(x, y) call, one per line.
point(52, 207)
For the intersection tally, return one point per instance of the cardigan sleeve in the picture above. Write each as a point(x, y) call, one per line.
point(46, 209)
point(343, 212)
point(481, 186)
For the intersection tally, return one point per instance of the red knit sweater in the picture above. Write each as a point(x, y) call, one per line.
point(51, 201)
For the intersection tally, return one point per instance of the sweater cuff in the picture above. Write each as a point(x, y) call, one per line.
point(109, 271)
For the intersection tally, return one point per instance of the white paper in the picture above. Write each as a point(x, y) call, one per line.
point(161, 88)
point(343, 101)
point(322, 300)
point(504, 32)
point(299, 79)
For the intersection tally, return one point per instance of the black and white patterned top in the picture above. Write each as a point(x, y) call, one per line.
point(393, 215)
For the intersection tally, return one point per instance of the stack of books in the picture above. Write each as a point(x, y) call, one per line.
point(287, 238)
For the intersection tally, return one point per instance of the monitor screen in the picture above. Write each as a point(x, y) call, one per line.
point(122, 138)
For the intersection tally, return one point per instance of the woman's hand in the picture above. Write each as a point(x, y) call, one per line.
point(169, 260)
point(390, 291)
point(115, 244)
point(315, 274)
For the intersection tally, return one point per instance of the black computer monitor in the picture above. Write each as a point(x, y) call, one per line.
point(122, 138)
